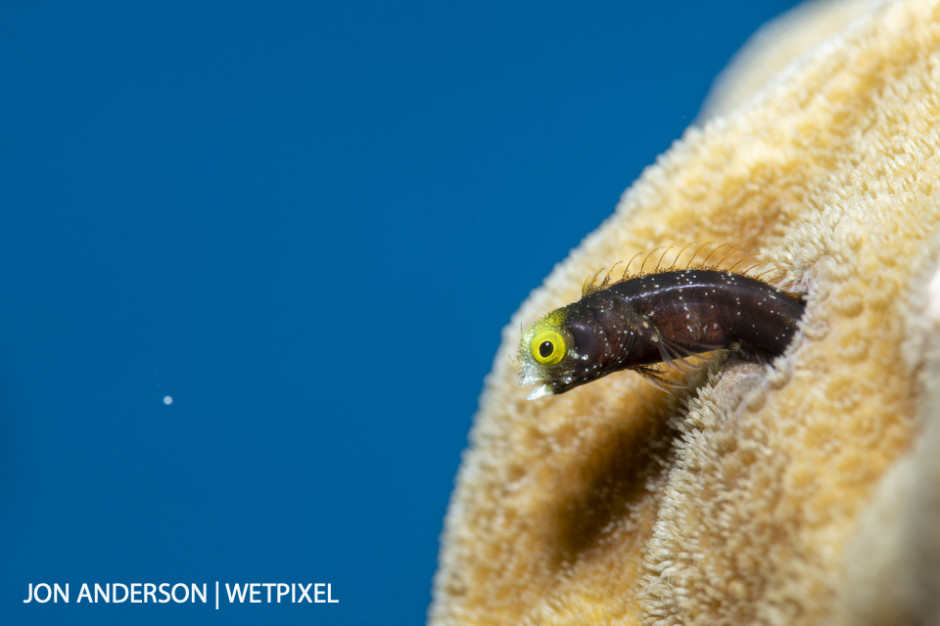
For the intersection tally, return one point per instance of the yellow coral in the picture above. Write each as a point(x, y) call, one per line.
point(803, 492)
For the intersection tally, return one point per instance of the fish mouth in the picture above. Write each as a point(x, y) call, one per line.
point(550, 389)
point(529, 377)
point(550, 386)
point(546, 386)
point(540, 392)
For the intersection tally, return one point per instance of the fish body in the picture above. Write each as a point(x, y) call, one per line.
point(653, 318)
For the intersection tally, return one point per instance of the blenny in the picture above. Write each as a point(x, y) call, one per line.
point(659, 317)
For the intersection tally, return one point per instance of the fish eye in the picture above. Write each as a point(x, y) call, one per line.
point(548, 347)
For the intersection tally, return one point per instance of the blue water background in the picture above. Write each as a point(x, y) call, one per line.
point(306, 223)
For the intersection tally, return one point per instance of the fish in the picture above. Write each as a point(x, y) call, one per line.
point(663, 316)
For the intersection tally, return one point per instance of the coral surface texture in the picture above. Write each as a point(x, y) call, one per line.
point(804, 490)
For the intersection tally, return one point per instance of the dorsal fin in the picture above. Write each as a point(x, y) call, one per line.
point(725, 257)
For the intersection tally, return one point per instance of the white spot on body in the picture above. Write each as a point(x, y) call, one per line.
point(168, 400)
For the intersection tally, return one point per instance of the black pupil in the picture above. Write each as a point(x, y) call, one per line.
point(546, 348)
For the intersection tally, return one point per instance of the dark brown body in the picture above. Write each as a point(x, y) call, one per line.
point(673, 314)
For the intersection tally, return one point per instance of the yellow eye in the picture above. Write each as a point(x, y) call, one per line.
point(548, 347)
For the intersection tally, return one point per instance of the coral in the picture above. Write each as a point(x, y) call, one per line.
point(802, 491)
